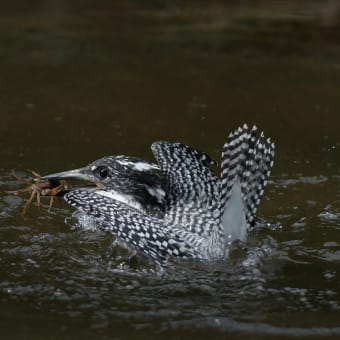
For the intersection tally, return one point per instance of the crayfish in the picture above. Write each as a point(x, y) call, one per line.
point(39, 188)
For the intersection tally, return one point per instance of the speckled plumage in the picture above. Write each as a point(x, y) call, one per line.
point(191, 213)
point(249, 159)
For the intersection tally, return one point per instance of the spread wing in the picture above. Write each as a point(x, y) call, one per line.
point(146, 234)
point(247, 159)
point(192, 189)
point(246, 165)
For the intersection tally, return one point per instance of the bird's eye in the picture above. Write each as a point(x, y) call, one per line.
point(103, 172)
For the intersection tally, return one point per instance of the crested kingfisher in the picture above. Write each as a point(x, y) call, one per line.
point(178, 207)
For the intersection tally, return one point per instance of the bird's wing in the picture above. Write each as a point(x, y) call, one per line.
point(247, 161)
point(144, 233)
point(192, 189)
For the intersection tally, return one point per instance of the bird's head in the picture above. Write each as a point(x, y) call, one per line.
point(129, 179)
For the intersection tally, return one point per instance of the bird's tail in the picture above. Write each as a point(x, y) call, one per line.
point(247, 160)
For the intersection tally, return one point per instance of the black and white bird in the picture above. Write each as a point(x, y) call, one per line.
point(178, 207)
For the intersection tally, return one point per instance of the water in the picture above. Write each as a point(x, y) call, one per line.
point(81, 80)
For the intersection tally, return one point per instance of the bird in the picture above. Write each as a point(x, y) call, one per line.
point(177, 207)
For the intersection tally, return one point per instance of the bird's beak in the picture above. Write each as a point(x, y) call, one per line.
point(83, 174)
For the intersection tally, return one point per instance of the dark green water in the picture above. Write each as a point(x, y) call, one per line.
point(83, 79)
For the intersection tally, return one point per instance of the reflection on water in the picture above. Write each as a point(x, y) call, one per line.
point(82, 80)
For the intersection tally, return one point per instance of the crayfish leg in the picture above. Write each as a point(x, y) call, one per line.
point(41, 210)
point(20, 179)
point(27, 204)
point(19, 190)
point(51, 204)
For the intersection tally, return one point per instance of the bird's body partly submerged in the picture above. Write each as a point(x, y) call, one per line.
point(178, 207)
